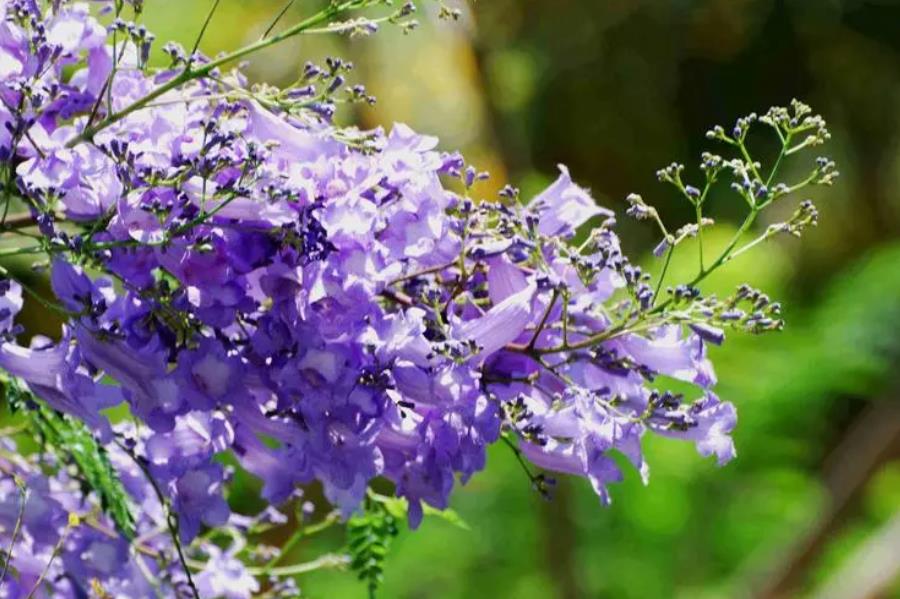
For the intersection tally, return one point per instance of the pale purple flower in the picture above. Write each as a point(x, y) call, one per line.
point(198, 500)
point(316, 302)
point(226, 577)
point(708, 422)
point(84, 178)
point(564, 206)
point(501, 324)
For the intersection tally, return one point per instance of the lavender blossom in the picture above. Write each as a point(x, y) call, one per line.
point(242, 277)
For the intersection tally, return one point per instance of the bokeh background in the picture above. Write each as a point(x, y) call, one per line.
point(617, 89)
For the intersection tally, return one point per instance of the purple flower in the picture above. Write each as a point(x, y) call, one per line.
point(251, 281)
point(198, 500)
point(84, 178)
point(77, 291)
point(10, 304)
point(196, 438)
point(708, 333)
point(501, 324)
point(577, 437)
point(668, 352)
point(225, 576)
point(289, 143)
point(93, 555)
point(138, 223)
point(564, 206)
point(55, 374)
point(276, 468)
point(152, 393)
point(708, 422)
point(504, 278)
point(207, 376)
point(74, 31)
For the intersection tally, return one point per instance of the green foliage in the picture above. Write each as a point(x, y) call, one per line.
point(447, 515)
point(613, 127)
point(369, 537)
point(73, 443)
point(398, 506)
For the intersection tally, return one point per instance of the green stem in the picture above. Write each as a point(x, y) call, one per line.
point(206, 23)
point(626, 326)
point(698, 207)
point(37, 296)
point(7, 193)
point(23, 497)
point(746, 155)
point(302, 533)
point(277, 18)
point(519, 458)
point(665, 269)
point(725, 256)
point(332, 560)
point(750, 245)
point(192, 73)
point(33, 249)
point(785, 142)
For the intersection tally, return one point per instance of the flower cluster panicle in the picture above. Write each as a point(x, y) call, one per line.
point(326, 305)
point(757, 186)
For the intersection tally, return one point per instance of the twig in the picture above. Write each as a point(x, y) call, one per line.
point(18, 221)
point(277, 19)
point(73, 522)
point(23, 496)
point(190, 74)
point(331, 560)
point(302, 533)
point(540, 327)
point(209, 17)
point(665, 269)
point(171, 517)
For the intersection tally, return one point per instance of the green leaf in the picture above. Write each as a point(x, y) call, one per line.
point(398, 506)
point(73, 443)
point(369, 537)
point(448, 515)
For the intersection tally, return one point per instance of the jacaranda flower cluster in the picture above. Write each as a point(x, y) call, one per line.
point(240, 276)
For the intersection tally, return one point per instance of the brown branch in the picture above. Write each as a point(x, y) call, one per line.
point(18, 221)
point(397, 297)
point(872, 568)
point(873, 439)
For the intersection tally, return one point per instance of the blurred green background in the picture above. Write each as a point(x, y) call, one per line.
point(617, 89)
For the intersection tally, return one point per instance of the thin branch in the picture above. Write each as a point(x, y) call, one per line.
point(332, 560)
point(421, 273)
point(519, 458)
point(698, 208)
point(171, 517)
point(302, 533)
point(18, 221)
point(544, 318)
point(73, 522)
point(209, 16)
point(665, 269)
point(871, 441)
point(871, 570)
point(331, 11)
point(275, 21)
point(23, 496)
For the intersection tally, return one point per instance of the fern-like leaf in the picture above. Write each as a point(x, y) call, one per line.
point(369, 539)
point(73, 443)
